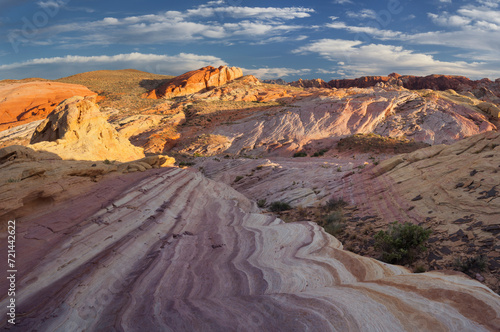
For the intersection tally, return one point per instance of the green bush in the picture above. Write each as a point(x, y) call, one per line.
point(279, 206)
point(477, 263)
point(262, 203)
point(320, 153)
point(401, 242)
point(238, 178)
point(300, 154)
point(335, 222)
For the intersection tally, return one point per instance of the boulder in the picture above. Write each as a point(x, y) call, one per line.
point(22, 103)
point(77, 130)
point(195, 81)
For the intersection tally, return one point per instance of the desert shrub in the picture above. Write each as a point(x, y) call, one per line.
point(334, 222)
point(300, 154)
point(401, 242)
point(380, 144)
point(334, 204)
point(107, 162)
point(320, 153)
point(279, 206)
point(477, 263)
point(420, 269)
point(238, 178)
point(186, 164)
point(262, 203)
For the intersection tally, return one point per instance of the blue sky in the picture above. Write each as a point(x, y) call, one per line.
point(270, 39)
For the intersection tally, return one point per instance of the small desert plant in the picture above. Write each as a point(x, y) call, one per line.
point(320, 153)
point(262, 203)
point(279, 206)
point(471, 263)
point(107, 162)
point(420, 269)
point(186, 164)
point(300, 154)
point(12, 180)
point(334, 223)
point(334, 204)
point(238, 178)
point(401, 242)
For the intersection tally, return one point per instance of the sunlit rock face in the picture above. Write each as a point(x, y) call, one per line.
point(77, 129)
point(195, 81)
point(433, 118)
point(175, 251)
point(22, 103)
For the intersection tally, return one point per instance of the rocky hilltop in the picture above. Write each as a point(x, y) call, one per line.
point(483, 89)
point(113, 240)
point(195, 81)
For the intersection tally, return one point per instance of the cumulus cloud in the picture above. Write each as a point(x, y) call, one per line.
point(261, 13)
point(363, 14)
point(213, 21)
point(57, 67)
point(376, 59)
point(372, 31)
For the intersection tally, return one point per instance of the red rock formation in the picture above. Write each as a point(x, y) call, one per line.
point(317, 83)
point(434, 82)
point(195, 81)
point(362, 82)
point(22, 103)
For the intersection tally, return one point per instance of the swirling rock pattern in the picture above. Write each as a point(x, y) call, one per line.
point(179, 252)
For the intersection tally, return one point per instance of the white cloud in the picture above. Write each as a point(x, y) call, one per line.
point(57, 67)
point(489, 3)
point(363, 14)
point(342, 2)
point(172, 26)
point(261, 13)
point(272, 73)
point(51, 4)
point(369, 30)
point(377, 59)
point(446, 19)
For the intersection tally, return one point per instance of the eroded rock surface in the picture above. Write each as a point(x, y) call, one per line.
point(76, 129)
point(180, 252)
point(431, 118)
point(22, 103)
point(32, 182)
point(195, 81)
point(453, 190)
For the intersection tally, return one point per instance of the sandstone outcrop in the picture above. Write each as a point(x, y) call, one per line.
point(315, 83)
point(192, 252)
point(21, 103)
point(33, 182)
point(195, 81)
point(483, 89)
point(453, 190)
point(76, 129)
point(432, 119)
